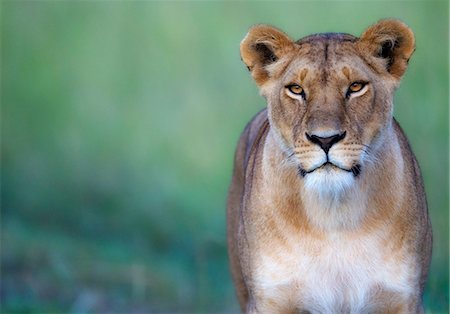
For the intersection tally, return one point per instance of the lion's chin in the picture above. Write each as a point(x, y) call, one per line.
point(329, 181)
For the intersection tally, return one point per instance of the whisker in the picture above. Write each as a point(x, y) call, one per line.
point(288, 157)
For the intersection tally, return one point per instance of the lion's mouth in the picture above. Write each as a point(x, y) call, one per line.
point(356, 169)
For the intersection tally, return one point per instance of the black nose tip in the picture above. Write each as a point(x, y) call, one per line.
point(325, 142)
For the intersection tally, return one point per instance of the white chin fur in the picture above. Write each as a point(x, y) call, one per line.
point(333, 199)
point(329, 182)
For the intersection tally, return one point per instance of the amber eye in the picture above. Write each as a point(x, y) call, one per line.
point(355, 87)
point(295, 89)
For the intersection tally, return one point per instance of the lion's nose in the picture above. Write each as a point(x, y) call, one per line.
point(326, 142)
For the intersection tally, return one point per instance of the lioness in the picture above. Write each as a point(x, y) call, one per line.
point(326, 209)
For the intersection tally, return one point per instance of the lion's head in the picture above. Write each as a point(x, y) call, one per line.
point(330, 96)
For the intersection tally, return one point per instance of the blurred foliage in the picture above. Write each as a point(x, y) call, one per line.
point(119, 123)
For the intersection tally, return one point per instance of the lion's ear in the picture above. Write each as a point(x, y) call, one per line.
point(392, 41)
point(262, 46)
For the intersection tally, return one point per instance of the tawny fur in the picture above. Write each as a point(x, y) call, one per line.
point(348, 236)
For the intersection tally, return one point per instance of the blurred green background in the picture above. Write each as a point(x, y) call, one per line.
point(118, 128)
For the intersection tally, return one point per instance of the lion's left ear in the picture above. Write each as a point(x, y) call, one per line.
point(391, 41)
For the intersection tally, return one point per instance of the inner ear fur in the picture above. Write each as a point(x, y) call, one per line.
point(390, 40)
point(263, 45)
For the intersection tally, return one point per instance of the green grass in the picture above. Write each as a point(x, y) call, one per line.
point(119, 123)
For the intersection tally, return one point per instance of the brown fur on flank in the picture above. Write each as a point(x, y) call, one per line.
point(326, 210)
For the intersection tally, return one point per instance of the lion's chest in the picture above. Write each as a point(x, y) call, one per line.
point(334, 275)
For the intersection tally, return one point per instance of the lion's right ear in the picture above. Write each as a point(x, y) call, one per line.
point(263, 45)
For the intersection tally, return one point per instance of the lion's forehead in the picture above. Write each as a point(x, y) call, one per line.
point(337, 59)
point(326, 46)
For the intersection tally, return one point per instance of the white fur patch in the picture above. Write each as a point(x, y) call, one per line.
point(332, 199)
point(329, 182)
point(339, 277)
